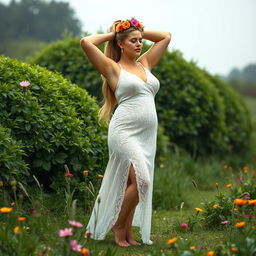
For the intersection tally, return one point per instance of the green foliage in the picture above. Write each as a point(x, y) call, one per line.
point(12, 164)
point(55, 121)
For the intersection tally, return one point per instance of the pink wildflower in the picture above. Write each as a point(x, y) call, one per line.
point(75, 224)
point(224, 222)
point(24, 83)
point(66, 232)
point(184, 225)
point(239, 179)
point(88, 234)
point(134, 22)
point(250, 216)
point(75, 246)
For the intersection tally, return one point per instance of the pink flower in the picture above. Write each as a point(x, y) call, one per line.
point(239, 179)
point(24, 83)
point(75, 246)
point(134, 22)
point(250, 216)
point(66, 232)
point(184, 225)
point(75, 224)
point(224, 222)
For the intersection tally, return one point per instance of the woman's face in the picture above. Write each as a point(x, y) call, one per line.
point(132, 45)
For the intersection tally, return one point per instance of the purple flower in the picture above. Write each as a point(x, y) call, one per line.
point(75, 246)
point(24, 83)
point(224, 222)
point(249, 216)
point(75, 224)
point(184, 225)
point(66, 232)
point(134, 22)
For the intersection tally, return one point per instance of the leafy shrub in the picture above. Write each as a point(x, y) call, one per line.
point(56, 121)
point(12, 165)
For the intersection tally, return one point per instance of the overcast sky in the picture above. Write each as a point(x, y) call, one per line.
point(218, 34)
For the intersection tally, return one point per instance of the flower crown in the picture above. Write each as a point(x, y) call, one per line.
point(125, 24)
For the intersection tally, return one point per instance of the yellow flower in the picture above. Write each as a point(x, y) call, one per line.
point(100, 176)
point(161, 165)
point(245, 169)
point(240, 224)
point(126, 24)
point(252, 202)
point(85, 172)
point(216, 205)
point(172, 241)
point(235, 209)
point(5, 209)
point(21, 219)
point(229, 185)
point(198, 209)
point(16, 229)
point(140, 25)
point(210, 253)
point(192, 248)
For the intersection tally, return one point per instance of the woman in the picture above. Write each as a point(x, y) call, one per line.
point(125, 196)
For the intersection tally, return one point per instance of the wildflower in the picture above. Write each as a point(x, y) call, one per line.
point(240, 201)
point(140, 25)
point(235, 209)
point(225, 166)
point(13, 182)
point(240, 224)
point(161, 166)
point(16, 229)
point(5, 209)
point(252, 202)
point(239, 179)
point(245, 169)
point(250, 216)
point(1, 183)
point(100, 176)
point(253, 227)
point(192, 248)
point(215, 206)
point(24, 83)
point(229, 185)
point(69, 175)
point(88, 234)
point(224, 222)
point(75, 246)
point(85, 172)
point(172, 241)
point(233, 249)
point(66, 232)
point(126, 24)
point(85, 252)
point(75, 224)
point(12, 204)
point(21, 219)
point(184, 225)
point(210, 253)
point(198, 209)
point(134, 22)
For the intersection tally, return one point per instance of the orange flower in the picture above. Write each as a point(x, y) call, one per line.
point(140, 25)
point(100, 176)
point(192, 248)
point(252, 202)
point(21, 219)
point(172, 241)
point(12, 204)
point(245, 169)
point(85, 172)
point(225, 166)
point(126, 24)
point(198, 209)
point(85, 252)
point(215, 206)
point(240, 201)
point(5, 209)
point(210, 253)
point(229, 185)
point(233, 249)
point(16, 229)
point(240, 224)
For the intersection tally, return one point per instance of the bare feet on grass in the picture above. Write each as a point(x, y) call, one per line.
point(120, 236)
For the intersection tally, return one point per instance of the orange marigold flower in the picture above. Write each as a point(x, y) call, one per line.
point(210, 253)
point(215, 206)
point(12, 204)
point(85, 172)
point(240, 224)
point(140, 25)
point(16, 229)
point(229, 185)
point(192, 248)
point(198, 209)
point(100, 176)
point(240, 201)
point(126, 24)
point(21, 219)
point(252, 202)
point(5, 209)
point(172, 241)
point(233, 249)
point(85, 252)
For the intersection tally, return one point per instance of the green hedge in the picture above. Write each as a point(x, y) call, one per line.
point(197, 111)
point(55, 121)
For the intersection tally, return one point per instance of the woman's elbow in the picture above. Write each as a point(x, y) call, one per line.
point(168, 36)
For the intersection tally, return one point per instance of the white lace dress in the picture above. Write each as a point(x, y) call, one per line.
point(132, 136)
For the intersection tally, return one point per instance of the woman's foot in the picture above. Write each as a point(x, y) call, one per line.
point(131, 240)
point(119, 234)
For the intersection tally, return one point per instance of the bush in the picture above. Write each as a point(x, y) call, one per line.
point(12, 165)
point(56, 121)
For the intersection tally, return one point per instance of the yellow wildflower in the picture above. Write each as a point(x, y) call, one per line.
point(198, 209)
point(85, 172)
point(215, 205)
point(5, 209)
point(192, 248)
point(16, 229)
point(100, 176)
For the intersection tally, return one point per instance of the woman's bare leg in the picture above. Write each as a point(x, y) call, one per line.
point(131, 199)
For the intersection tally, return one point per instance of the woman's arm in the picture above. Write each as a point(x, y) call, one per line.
point(101, 62)
point(161, 40)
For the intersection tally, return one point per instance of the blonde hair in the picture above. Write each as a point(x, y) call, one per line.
point(113, 51)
